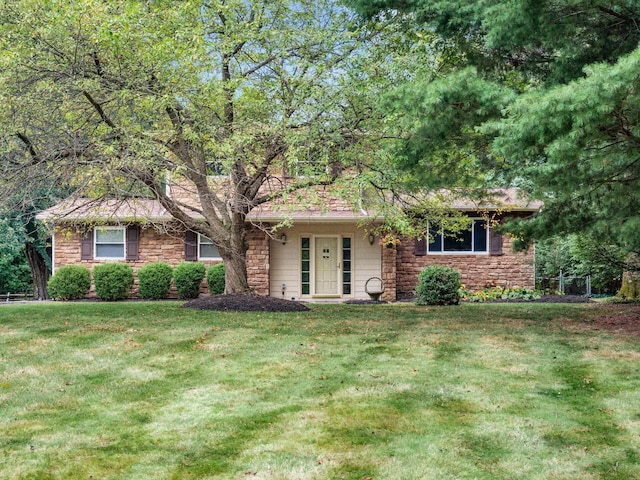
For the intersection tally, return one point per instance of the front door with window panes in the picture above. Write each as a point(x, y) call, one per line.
point(326, 266)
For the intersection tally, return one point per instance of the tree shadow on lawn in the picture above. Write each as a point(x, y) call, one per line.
point(620, 318)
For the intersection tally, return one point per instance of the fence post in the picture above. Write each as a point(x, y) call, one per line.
point(588, 285)
point(561, 283)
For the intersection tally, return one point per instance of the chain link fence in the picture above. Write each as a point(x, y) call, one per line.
point(574, 285)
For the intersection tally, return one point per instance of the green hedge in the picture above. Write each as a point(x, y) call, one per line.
point(215, 279)
point(113, 281)
point(438, 285)
point(187, 278)
point(70, 282)
point(154, 280)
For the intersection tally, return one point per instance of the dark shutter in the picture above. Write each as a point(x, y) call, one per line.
point(86, 245)
point(190, 246)
point(420, 247)
point(495, 242)
point(133, 240)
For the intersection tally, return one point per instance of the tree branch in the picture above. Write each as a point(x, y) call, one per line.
point(99, 109)
point(30, 147)
point(621, 16)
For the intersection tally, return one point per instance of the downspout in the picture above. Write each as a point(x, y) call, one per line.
point(53, 252)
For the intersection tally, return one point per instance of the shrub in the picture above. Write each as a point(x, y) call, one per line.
point(215, 279)
point(70, 282)
point(438, 285)
point(187, 278)
point(500, 293)
point(154, 280)
point(113, 281)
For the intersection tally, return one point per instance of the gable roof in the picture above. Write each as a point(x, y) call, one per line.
point(82, 209)
point(325, 206)
point(510, 199)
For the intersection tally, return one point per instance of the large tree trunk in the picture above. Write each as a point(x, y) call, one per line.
point(630, 288)
point(235, 275)
point(39, 272)
point(235, 260)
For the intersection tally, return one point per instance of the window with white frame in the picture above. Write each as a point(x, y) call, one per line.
point(207, 250)
point(110, 243)
point(475, 239)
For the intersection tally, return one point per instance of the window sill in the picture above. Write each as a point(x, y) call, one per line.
point(457, 253)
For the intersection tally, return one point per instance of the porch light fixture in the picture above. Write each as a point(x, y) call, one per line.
point(371, 239)
point(283, 238)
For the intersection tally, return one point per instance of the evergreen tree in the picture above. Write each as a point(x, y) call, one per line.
point(547, 99)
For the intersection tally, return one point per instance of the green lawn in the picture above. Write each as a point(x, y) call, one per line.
point(154, 391)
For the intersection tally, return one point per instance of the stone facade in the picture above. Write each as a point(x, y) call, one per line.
point(477, 271)
point(258, 261)
point(399, 272)
point(389, 273)
point(154, 246)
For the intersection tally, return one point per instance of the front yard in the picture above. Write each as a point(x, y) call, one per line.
point(153, 391)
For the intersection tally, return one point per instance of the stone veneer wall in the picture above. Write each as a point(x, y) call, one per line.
point(258, 261)
point(154, 246)
point(477, 271)
point(389, 273)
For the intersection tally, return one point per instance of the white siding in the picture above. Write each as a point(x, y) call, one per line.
point(285, 267)
point(368, 259)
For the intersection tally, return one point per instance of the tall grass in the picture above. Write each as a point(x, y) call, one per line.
point(150, 390)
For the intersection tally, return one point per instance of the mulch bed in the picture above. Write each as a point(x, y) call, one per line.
point(245, 303)
point(563, 299)
point(552, 299)
point(256, 303)
point(619, 318)
point(542, 299)
point(364, 302)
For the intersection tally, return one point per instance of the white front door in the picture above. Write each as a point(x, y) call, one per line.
point(327, 264)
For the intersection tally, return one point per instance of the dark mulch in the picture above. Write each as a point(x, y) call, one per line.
point(553, 299)
point(542, 299)
point(245, 303)
point(619, 318)
point(563, 299)
point(364, 302)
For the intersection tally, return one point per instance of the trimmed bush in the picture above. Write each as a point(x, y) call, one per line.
point(70, 282)
point(113, 281)
point(154, 280)
point(438, 285)
point(187, 278)
point(215, 279)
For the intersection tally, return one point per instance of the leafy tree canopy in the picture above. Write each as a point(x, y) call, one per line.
point(108, 96)
point(576, 255)
point(14, 270)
